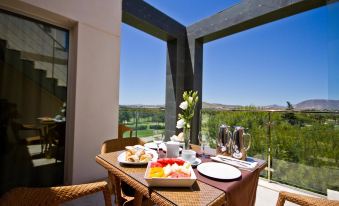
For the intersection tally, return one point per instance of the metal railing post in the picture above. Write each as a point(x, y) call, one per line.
point(136, 123)
point(269, 149)
point(53, 56)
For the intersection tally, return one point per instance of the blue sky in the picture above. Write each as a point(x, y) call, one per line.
point(286, 60)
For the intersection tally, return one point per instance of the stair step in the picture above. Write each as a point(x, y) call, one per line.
point(30, 72)
point(3, 46)
point(3, 43)
point(12, 58)
point(49, 84)
point(27, 67)
point(61, 92)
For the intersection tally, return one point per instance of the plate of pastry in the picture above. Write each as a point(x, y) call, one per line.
point(137, 155)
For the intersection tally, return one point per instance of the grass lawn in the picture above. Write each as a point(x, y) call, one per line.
point(141, 133)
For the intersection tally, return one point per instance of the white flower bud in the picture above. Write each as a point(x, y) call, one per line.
point(180, 123)
point(183, 105)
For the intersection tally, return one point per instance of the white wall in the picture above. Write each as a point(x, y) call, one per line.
point(93, 99)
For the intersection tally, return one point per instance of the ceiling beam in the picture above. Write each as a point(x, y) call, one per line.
point(246, 15)
point(143, 16)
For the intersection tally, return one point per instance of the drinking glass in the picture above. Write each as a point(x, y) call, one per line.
point(203, 137)
point(158, 138)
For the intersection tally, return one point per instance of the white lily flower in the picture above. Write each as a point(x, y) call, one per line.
point(183, 105)
point(180, 123)
point(190, 99)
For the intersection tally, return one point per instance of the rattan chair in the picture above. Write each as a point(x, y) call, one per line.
point(114, 145)
point(122, 129)
point(304, 200)
point(51, 196)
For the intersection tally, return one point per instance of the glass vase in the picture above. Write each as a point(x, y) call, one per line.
point(187, 133)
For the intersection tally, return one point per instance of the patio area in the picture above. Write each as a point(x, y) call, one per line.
point(267, 195)
point(271, 104)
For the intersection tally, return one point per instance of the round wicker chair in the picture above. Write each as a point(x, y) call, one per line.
point(51, 196)
point(304, 200)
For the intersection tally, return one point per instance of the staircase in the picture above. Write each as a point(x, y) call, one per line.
point(12, 59)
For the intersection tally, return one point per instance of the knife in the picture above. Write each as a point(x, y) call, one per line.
point(235, 162)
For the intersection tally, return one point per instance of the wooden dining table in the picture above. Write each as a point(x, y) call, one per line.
point(205, 191)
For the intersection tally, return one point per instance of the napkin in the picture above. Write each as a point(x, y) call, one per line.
point(178, 138)
point(235, 162)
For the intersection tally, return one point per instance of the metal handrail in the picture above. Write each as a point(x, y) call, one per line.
point(54, 40)
point(276, 110)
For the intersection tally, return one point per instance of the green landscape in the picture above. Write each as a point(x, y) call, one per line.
point(304, 145)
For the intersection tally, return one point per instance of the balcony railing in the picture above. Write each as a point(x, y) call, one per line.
point(301, 147)
point(145, 122)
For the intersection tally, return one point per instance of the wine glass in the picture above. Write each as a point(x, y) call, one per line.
point(158, 138)
point(203, 138)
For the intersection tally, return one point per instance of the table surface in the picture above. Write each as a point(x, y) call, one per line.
point(199, 194)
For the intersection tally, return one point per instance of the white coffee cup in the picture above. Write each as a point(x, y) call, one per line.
point(172, 149)
point(188, 155)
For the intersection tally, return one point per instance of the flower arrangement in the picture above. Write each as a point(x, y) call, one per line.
point(184, 119)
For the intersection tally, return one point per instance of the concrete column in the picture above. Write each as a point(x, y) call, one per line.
point(175, 73)
point(193, 81)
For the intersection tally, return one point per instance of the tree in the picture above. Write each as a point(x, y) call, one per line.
point(290, 116)
point(124, 116)
point(158, 117)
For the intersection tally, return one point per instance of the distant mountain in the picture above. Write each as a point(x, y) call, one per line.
point(274, 107)
point(144, 106)
point(318, 104)
point(217, 106)
point(312, 104)
point(206, 105)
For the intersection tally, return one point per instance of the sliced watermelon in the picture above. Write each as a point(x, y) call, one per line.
point(156, 164)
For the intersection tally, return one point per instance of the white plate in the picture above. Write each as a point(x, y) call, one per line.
point(152, 145)
point(122, 158)
point(169, 182)
point(219, 171)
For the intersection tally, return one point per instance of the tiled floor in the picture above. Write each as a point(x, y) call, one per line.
point(267, 195)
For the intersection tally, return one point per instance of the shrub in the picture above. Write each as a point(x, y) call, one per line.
point(157, 126)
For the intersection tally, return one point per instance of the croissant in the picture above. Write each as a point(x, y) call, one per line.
point(128, 153)
point(140, 153)
point(133, 158)
point(131, 149)
point(145, 158)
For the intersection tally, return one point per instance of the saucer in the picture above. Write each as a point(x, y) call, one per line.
point(195, 163)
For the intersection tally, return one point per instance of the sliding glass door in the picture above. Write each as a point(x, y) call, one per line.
point(33, 94)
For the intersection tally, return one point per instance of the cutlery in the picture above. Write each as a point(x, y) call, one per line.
point(239, 164)
point(235, 160)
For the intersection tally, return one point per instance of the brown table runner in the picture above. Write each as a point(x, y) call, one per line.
point(239, 192)
point(236, 194)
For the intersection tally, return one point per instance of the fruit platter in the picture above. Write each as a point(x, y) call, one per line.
point(170, 172)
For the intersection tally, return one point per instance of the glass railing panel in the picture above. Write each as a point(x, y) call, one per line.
point(144, 122)
point(255, 123)
point(305, 150)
